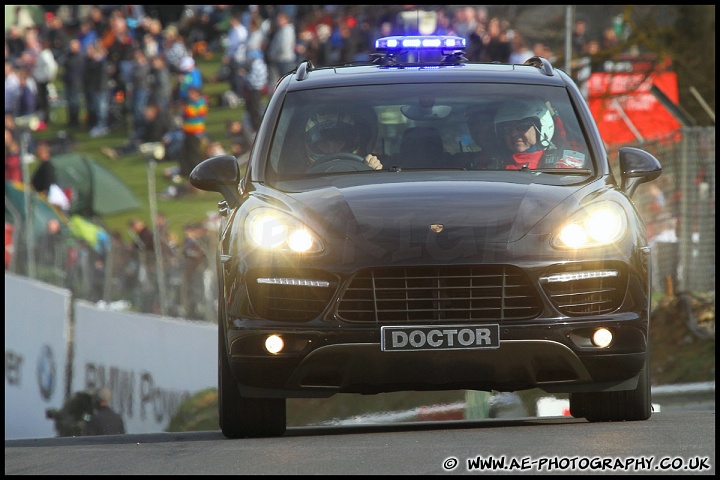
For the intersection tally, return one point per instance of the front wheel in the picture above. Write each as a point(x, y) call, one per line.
point(242, 417)
point(628, 405)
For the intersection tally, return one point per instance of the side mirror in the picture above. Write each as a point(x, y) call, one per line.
point(218, 174)
point(637, 167)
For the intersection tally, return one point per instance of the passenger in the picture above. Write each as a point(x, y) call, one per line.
point(530, 131)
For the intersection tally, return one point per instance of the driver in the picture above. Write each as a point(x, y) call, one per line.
point(329, 132)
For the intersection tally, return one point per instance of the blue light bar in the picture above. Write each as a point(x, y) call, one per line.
point(419, 42)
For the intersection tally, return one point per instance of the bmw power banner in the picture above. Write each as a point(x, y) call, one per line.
point(151, 364)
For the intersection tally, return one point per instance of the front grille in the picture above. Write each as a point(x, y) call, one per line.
point(407, 295)
point(591, 296)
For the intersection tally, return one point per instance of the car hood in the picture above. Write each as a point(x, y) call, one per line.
point(414, 212)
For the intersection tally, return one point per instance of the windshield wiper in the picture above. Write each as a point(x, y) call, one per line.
point(418, 169)
point(558, 171)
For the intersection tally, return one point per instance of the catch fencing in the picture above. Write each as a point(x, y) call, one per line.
point(178, 282)
point(679, 211)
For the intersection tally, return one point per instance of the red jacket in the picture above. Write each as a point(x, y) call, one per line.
point(521, 159)
point(13, 170)
point(532, 159)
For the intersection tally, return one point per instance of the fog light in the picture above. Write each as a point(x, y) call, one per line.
point(274, 344)
point(602, 337)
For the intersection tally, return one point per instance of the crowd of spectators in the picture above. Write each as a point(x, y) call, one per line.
point(108, 52)
point(110, 62)
point(134, 68)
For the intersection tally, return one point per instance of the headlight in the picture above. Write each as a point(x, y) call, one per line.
point(274, 230)
point(597, 225)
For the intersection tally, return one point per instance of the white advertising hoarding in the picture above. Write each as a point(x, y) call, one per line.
point(150, 363)
point(36, 317)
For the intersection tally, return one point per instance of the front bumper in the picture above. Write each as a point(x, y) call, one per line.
point(544, 328)
point(555, 356)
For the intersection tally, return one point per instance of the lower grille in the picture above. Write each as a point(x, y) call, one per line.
point(406, 295)
point(588, 296)
point(282, 302)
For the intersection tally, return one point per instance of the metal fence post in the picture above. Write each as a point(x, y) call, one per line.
point(156, 235)
point(29, 211)
point(685, 237)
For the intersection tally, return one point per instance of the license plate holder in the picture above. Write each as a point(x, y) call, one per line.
point(439, 337)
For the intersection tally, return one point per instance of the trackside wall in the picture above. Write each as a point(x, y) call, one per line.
point(57, 347)
point(36, 342)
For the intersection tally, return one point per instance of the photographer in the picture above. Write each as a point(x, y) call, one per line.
point(87, 413)
point(104, 420)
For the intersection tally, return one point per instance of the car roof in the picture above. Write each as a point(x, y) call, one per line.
point(453, 68)
point(353, 75)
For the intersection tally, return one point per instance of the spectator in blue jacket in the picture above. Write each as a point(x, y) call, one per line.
point(190, 77)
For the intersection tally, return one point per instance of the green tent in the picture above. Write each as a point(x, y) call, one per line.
point(96, 190)
point(41, 210)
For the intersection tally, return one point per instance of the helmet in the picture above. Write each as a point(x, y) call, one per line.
point(334, 125)
point(534, 111)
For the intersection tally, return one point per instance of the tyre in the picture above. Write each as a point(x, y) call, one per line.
point(627, 405)
point(239, 416)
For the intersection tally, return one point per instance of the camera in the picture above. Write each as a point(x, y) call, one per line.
point(70, 419)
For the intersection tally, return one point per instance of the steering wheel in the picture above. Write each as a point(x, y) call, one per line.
point(339, 162)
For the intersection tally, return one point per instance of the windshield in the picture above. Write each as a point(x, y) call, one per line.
point(404, 128)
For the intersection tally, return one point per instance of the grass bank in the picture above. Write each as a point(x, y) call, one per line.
point(134, 170)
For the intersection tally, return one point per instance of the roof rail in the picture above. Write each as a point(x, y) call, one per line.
point(541, 62)
point(383, 59)
point(390, 59)
point(303, 69)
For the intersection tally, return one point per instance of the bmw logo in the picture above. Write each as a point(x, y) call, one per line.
point(46, 373)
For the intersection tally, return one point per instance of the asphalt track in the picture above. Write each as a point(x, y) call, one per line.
point(675, 442)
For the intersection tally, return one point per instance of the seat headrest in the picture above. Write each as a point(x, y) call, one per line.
point(421, 138)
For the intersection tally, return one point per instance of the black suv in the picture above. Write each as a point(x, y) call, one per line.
point(420, 222)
